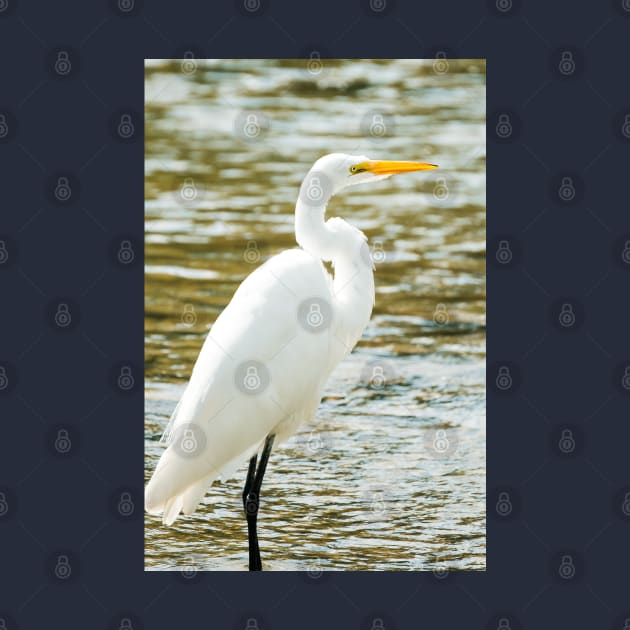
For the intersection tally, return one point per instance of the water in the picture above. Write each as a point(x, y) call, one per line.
point(388, 477)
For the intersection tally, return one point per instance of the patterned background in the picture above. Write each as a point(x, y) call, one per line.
point(71, 314)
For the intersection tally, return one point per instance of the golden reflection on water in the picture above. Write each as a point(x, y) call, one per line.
point(363, 488)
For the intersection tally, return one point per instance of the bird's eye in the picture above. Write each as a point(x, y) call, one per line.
point(355, 169)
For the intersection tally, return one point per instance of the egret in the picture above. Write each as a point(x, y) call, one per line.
point(263, 366)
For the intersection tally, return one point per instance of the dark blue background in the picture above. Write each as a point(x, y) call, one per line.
point(563, 501)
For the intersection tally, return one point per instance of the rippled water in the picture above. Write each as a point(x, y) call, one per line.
point(389, 476)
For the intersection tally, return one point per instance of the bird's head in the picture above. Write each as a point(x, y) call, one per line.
point(337, 171)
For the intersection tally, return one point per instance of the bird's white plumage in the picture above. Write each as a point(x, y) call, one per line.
point(262, 323)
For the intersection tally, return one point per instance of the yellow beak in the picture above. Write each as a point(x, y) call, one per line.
point(391, 167)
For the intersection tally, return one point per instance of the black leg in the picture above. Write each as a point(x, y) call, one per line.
point(251, 512)
point(251, 497)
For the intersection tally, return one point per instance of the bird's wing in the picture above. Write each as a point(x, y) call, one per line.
point(257, 341)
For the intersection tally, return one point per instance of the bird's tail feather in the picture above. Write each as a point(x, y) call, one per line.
point(164, 496)
point(172, 509)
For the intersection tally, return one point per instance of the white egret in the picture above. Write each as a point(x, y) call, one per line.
point(264, 364)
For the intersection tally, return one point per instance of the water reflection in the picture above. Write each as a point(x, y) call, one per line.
point(392, 473)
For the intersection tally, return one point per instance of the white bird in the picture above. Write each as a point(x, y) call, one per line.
point(262, 369)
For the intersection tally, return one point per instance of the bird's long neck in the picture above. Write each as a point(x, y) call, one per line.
point(346, 247)
point(312, 233)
